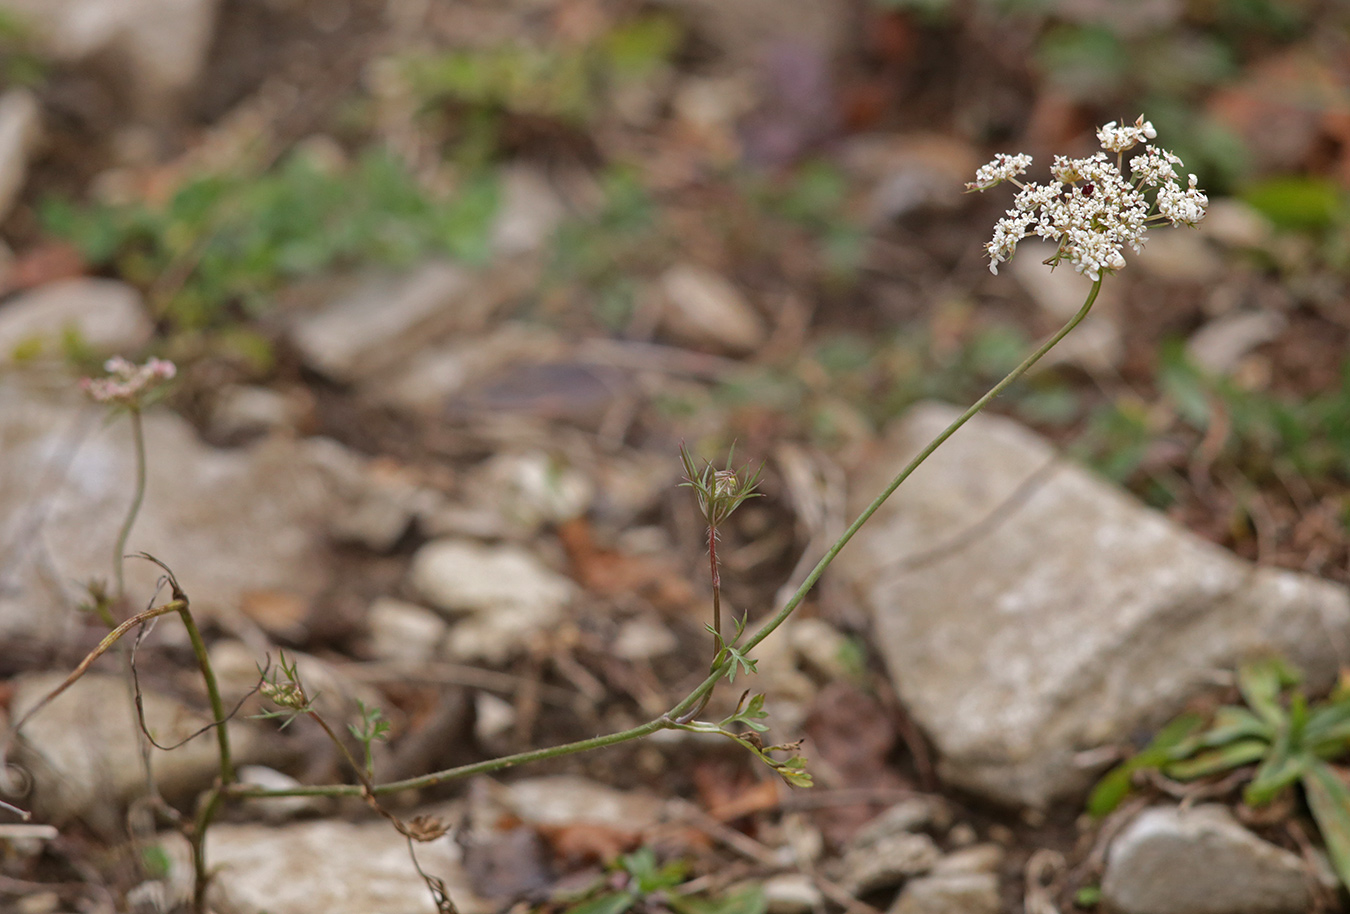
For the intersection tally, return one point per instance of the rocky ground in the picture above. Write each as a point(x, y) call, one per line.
point(448, 285)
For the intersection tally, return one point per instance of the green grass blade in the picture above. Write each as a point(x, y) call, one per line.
point(1232, 723)
point(1225, 758)
point(1329, 800)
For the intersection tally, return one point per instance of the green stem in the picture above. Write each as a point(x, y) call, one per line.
point(120, 547)
point(212, 693)
point(698, 697)
point(206, 812)
point(463, 771)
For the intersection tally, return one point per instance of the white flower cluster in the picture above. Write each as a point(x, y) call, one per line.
point(1090, 209)
point(127, 382)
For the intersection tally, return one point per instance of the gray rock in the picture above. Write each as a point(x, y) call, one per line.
point(107, 316)
point(529, 213)
point(83, 751)
point(968, 893)
point(643, 639)
point(792, 893)
point(566, 799)
point(1028, 610)
point(20, 133)
point(387, 319)
point(979, 858)
point(404, 631)
point(1182, 255)
point(1220, 344)
point(244, 410)
point(1200, 861)
point(431, 377)
point(886, 861)
point(373, 501)
point(331, 867)
point(508, 594)
point(703, 307)
point(226, 522)
point(278, 809)
point(909, 815)
point(158, 46)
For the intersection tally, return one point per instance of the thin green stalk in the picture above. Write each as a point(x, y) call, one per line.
point(206, 812)
point(212, 690)
point(463, 771)
point(781, 616)
point(138, 495)
point(698, 697)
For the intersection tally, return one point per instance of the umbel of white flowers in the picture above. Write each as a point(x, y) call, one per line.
point(1091, 209)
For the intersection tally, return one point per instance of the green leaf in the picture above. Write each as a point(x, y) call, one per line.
point(1295, 202)
point(1111, 790)
point(1232, 723)
point(1088, 896)
point(1280, 769)
point(749, 900)
point(1329, 800)
point(612, 903)
point(1233, 755)
point(1261, 683)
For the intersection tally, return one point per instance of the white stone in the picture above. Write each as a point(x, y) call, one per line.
point(792, 893)
point(460, 576)
point(968, 893)
point(529, 213)
point(83, 749)
point(386, 319)
point(226, 522)
point(703, 307)
point(536, 488)
point(331, 867)
point(887, 861)
point(161, 44)
point(643, 639)
point(278, 809)
point(20, 133)
point(107, 316)
point(567, 800)
point(374, 501)
point(509, 595)
point(400, 630)
point(1200, 861)
point(1067, 615)
point(1221, 343)
point(245, 409)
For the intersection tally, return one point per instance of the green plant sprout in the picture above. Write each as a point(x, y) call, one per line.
point(645, 887)
point(1091, 210)
point(1287, 739)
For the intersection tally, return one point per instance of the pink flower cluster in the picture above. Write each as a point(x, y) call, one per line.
point(127, 383)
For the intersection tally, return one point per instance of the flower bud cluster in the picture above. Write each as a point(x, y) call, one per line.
point(1090, 208)
point(127, 383)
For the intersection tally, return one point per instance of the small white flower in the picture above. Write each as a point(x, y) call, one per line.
point(1090, 209)
point(1118, 139)
point(1003, 168)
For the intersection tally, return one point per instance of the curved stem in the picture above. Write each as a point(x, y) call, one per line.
point(138, 495)
point(674, 718)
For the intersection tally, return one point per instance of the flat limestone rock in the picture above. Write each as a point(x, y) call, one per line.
point(1200, 861)
point(331, 867)
point(1028, 610)
point(84, 756)
point(226, 522)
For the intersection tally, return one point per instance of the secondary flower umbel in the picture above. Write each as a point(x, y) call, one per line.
point(1090, 208)
point(127, 383)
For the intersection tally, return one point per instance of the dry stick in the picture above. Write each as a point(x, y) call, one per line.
point(668, 720)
